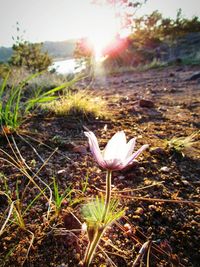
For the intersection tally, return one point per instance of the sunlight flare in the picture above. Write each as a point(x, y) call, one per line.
point(102, 31)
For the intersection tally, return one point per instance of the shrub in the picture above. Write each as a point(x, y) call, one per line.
point(30, 56)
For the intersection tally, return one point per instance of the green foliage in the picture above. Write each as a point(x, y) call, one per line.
point(154, 37)
point(184, 145)
point(14, 105)
point(15, 206)
point(30, 56)
point(84, 184)
point(154, 64)
point(60, 198)
point(157, 38)
point(193, 59)
point(97, 222)
point(10, 115)
point(4, 69)
point(155, 26)
point(93, 212)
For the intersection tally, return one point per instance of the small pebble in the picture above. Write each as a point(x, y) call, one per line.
point(165, 169)
point(142, 169)
point(147, 182)
point(185, 182)
point(136, 217)
point(157, 151)
point(152, 207)
point(127, 227)
point(139, 211)
point(121, 177)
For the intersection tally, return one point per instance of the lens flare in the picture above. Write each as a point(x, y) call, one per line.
point(103, 31)
point(99, 43)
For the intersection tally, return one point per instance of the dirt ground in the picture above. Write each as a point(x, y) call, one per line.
point(160, 192)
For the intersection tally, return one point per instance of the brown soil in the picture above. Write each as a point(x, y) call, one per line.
point(173, 225)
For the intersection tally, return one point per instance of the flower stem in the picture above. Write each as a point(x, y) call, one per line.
point(99, 232)
point(108, 194)
point(92, 247)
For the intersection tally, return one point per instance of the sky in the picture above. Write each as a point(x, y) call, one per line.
point(58, 20)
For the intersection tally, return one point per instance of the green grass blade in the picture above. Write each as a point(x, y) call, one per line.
point(3, 86)
point(33, 201)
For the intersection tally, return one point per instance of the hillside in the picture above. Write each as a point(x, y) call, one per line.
point(184, 47)
point(5, 53)
point(63, 49)
point(57, 50)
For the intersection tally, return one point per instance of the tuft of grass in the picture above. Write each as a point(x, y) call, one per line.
point(81, 104)
point(14, 106)
point(47, 81)
point(10, 103)
point(154, 64)
point(17, 74)
point(60, 198)
point(184, 145)
point(15, 209)
point(191, 60)
point(4, 69)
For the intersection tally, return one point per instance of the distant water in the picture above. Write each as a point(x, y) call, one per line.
point(66, 66)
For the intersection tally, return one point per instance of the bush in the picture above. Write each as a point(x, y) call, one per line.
point(30, 55)
point(4, 69)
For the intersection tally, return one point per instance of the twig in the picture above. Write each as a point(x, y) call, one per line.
point(130, 190)
point(142, 252)
point(9, 213)
point(108, 258)
point(45, 145)
point(160, 200)
point(42, 160)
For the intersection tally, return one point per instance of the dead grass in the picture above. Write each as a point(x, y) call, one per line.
point(82, 103)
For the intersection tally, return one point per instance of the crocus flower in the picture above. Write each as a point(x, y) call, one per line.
point(117, 154)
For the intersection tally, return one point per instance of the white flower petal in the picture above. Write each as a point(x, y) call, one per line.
point(116, 147)
point(117, 154)
point(94, 147)
point(134, 156)
point(113, 164)
point(130, 147)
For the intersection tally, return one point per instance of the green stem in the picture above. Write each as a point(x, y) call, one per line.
point(108, 194)
point(92, 247)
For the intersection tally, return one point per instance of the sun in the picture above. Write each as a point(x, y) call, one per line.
point(99, 42)
point(102, 30)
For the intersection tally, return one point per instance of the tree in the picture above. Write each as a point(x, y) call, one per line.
point(124, 9)
point(30, 56)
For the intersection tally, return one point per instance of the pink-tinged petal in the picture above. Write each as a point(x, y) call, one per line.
point(115, 147)
point(134, 156)
point(117, 155)
point(130, 147)
point(94, 147)
point(113, 164)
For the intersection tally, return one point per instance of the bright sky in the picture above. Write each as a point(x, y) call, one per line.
point(58, 20)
